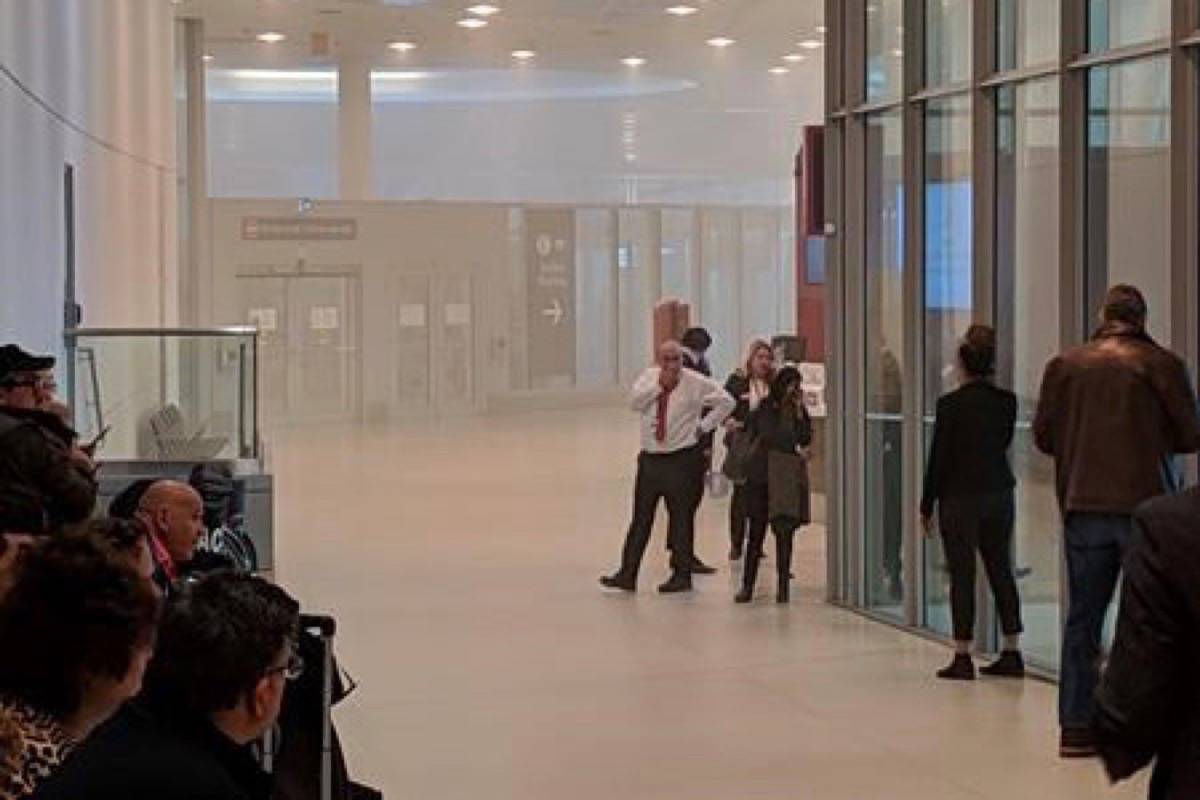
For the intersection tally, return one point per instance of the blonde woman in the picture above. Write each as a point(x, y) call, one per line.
point(749, 386)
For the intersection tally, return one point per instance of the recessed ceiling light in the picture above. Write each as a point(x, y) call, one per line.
point(795, 58)
point(633, 61)
point(402, 47)
point(523, 55)
point(270, 37)
point(483, 10)
point(721, 41)
point(779, 70)
point(682, 11)
point(472, 22)
point(898, 53)
point(208, 56)
point(810, 44)
point(821, 29)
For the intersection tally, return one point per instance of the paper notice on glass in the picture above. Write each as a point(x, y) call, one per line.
point(412, 315)
point(323, 318)
point(265, 319)
point(458, 314)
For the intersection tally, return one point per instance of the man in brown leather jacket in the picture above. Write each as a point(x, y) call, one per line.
point(46, 480)
point(1112, 413)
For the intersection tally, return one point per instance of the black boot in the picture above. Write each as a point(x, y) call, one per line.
point(962, 668)
point(783, 592)
point(1009, 665)
point(745, 595)
point(749, 576)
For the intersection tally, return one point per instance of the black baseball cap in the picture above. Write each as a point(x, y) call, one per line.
point(14, 360)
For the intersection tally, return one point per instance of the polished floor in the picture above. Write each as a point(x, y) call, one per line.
point(461, 559)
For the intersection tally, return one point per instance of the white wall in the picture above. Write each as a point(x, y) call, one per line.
point(88, 82)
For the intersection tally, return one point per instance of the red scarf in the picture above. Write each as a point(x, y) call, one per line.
point(162, 557)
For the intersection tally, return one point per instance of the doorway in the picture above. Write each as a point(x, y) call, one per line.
point(309, 356)
point(435, 331)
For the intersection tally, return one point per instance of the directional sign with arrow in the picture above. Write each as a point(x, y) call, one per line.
point(550, 271)
point(554, 312)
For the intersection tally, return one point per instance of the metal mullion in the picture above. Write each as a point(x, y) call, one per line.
point(913, 148)
point(940, 92)
point(878, 107)
point(1185, 190)
point(854, 287)
point(983, 213)
point(1022, 75)
point(1118, 55)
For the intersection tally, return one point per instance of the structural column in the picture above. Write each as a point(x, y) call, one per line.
point(354, 128)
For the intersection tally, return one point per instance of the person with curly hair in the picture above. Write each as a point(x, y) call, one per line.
point(77, 630)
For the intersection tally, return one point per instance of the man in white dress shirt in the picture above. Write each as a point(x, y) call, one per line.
point(671, 401)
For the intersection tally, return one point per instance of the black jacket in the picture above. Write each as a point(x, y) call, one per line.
point(776, 430)
point(971, 437)
point(151, 751)
point(1112, 413)
point(41, 488)
point(1149, 700)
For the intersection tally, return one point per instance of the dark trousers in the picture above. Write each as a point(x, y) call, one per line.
point(982, 523)
point(1096, 545)
point(785, 536)
point(671, 477)
point(739, 517)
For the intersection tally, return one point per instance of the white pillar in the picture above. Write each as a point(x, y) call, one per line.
point(354, 128)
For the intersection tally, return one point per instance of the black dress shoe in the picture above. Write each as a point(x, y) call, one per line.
point(744, 596)
point(676, 584)
point(783, 594)
point(962, 668)
point(1076, 743)
point(700, 568)
point(618, 582)
point(735, 554)
point(1009, 665)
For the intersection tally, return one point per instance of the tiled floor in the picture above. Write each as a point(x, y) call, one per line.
point(461, 559)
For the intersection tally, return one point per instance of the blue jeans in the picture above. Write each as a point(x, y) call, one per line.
point(1095, 547)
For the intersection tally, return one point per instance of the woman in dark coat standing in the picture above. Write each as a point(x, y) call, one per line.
point(779, 475)
point(749, 385)
point(969, 479)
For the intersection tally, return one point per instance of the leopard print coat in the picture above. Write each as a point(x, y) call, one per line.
point(32, 745)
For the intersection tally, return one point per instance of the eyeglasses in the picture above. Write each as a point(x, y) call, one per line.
point(292, 670)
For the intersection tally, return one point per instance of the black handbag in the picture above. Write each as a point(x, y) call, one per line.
point(742, 448)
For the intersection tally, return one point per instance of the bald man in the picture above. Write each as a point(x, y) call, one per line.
point(174, 514)
point(671, 401)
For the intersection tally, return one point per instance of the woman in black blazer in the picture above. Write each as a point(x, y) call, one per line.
point(969, 479)
point(749, 386)
point(778, 478)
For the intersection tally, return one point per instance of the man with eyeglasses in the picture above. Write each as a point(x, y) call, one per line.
point(46, 479)
point(672, 402)
point(225, 652)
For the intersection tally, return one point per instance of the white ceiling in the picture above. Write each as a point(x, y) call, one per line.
point(567, 34)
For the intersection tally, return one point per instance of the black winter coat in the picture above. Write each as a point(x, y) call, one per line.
point(149, 751)
point(41, 488)
point(1149, 699)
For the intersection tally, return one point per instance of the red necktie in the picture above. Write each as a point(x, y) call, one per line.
point(660, 427)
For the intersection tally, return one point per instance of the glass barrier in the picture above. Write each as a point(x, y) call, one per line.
point(166, 395)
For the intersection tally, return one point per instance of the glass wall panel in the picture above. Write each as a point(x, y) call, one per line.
point(948, 299)
point(721, 247)
point(760, 277)
point(885, 53)
point(1027, 32)
point(1027, 266)
point(1128, 157)
point(884, 374)
point(1118, 23)
point(947, 41)
point(679, 265)
point(596, 331)
point(637, 283)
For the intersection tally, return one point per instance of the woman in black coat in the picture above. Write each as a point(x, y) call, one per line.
point(969, 480)
point(778, 478)
point(749, 386)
